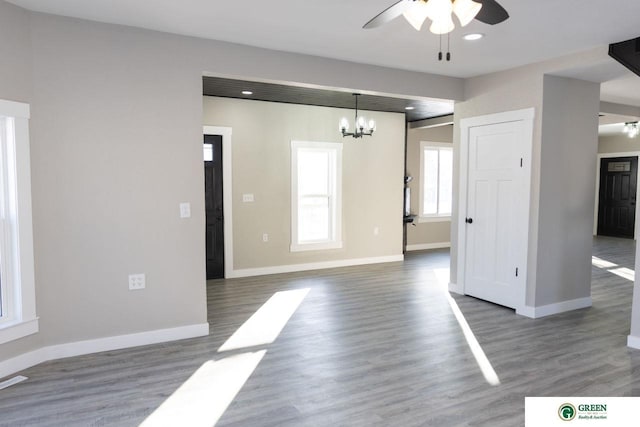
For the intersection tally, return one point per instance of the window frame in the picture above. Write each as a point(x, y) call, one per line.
point(423, 217)
point(335, 196)
point(18, 318)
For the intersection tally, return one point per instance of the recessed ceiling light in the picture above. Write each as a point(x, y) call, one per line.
point(409, 108)
point(473, 36)
point(247, 92)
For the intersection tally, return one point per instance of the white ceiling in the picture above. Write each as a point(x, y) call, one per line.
point(537, 30)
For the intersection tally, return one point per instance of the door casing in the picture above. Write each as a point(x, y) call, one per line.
point(527, 117)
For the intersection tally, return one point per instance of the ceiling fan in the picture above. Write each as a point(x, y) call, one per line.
point(440, 12)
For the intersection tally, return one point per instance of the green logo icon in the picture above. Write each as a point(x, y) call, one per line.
point(567, 412)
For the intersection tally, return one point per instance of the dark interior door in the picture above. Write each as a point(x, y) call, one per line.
point(213, 206)
point(617, 199)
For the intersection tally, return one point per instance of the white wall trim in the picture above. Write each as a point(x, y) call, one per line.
point(18, 277)
point(79, 348)
point(426, 246)
point(560, 307)
point(633, 342)
point(422, 217)
point(15, 109)
point(227, 191)
point(597, 198)
point(250, 272)
point(456, 289)
point(526, 116)
point(425, 219)
point(334, 195)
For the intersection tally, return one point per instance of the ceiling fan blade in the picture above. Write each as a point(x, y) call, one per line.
point(389, 14)
point(491, 13)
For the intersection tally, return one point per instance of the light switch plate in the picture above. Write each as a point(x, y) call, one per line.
point(185, 210)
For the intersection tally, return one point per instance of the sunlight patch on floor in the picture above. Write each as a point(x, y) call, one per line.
point(490, 375)
point(205, 396)
point(602, 263)
point(264, 326)
point(625, 273)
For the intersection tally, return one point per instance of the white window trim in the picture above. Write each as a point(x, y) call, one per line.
point(20, 319)
point(336, 241)
point(422, 217)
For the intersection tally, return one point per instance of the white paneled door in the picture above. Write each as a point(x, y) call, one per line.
point(496, 220)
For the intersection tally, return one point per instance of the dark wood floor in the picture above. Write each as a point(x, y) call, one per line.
point(370, 345)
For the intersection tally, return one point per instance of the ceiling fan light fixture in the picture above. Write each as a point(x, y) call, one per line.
point(442, 26)
point(440, 14)
point(466, 10)
point(417, 14)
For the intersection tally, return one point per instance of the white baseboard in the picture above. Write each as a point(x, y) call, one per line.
point(425, 246)
point(633, 342)
point(262, 271)
point(456, 289)
point(26, 360)
point(551, 309)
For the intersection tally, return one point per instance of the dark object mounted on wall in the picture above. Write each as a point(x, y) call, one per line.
point(627, 53)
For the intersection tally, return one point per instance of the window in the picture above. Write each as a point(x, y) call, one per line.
point(316, 181)
point(436, 163)
point(17, 289)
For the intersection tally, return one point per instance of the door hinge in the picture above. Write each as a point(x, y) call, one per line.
point(520, 161)
point(516, 271)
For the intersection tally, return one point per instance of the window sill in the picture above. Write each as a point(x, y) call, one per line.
point(16, 330)
point(434, 219)
point(315, 246)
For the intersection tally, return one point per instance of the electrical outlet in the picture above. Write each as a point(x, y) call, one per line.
point(265, 237)
point(247, 198)
point(136, 282)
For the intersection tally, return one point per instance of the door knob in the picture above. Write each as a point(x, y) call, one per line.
point(469, 220)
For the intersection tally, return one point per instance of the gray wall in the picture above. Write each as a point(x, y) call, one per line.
point(372, 182)
point(15, 51)
point(116, 138)
point(559, 243)
point(426, 232)
point(567, 189)
point(620, 143)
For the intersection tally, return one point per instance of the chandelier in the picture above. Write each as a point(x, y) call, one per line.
point(362, 126)
point(440, 13)
point(631, 129)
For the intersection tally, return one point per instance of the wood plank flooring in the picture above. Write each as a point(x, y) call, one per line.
point(368, 346)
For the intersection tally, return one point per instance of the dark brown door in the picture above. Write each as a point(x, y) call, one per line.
point(617, 200)
point(213, 206)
